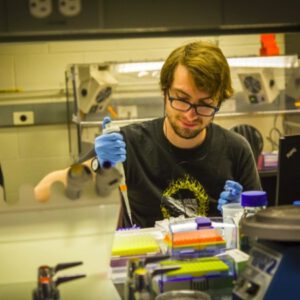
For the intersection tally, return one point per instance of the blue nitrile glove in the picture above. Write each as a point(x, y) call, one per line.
point(231, 194)
point(110, 146)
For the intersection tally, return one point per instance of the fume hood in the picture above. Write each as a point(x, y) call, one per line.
point(129, 91)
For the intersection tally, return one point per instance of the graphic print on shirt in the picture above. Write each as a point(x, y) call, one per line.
point(184, 196)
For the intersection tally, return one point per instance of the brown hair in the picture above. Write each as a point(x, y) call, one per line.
point(207, 64)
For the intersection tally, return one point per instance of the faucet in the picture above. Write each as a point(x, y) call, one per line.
point(47, 287)
point(138, 285)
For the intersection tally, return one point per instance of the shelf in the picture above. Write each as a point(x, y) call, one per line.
point(268, 172)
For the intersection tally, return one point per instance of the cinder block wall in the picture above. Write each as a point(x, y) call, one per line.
point(28, 153)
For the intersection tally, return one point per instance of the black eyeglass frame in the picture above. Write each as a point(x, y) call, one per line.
point(215, 108)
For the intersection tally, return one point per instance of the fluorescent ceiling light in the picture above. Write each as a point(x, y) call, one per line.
point(139, 67)
point(290, 61)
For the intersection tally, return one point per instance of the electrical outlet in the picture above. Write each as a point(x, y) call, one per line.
point(69, 8)
point(23, 118)
point(40, 8)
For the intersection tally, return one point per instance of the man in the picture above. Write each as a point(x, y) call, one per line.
point(178, 164)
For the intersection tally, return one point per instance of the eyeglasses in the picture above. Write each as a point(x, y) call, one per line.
point(204, 110)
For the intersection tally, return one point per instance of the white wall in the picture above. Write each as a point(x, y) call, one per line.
point(28, 153)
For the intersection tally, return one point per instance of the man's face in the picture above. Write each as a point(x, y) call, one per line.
point(187, 124)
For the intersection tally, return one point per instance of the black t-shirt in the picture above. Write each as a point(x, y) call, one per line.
point(165, 181)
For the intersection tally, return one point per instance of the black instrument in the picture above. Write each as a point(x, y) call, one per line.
point(47, 285)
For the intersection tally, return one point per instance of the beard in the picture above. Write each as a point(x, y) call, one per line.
point(185, 133)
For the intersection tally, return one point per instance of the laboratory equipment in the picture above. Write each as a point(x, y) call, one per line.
point(77, 176)
point(95, 87)
point(183, 294)
point(47, 285)
point(33, 234)
point(107, 179)
point(287, 186)
point(232, 211)
point(111, 128)
point(213, 275)
point(259, 84)
point(272, 271)
point(139, 284)
point(252, 202)
point(195, 243)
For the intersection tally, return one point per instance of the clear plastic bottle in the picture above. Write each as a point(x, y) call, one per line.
point(252, 202)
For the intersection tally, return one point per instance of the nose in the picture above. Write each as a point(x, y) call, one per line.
point(191, 113)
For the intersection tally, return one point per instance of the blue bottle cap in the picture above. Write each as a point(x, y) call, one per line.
point(254, 198)
point(296, 203)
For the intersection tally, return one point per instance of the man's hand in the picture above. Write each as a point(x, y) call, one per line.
point(231, 194)
point(110, 146)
